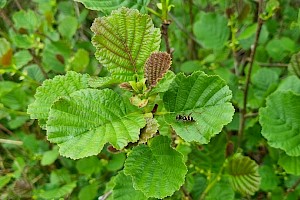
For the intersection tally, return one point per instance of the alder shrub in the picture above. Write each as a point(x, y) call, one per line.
point(171, 126)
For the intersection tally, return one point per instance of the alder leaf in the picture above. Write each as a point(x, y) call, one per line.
point(156, 66)
point(164, 84)
point(243, 174)
point(205, 99)
point(124, 41)
point(291, 164)
point(84, 122)
point(51, 90)
point(280, 121)
point(106, 6)
point(157, 169)
point(124, 189)
point(294, 65)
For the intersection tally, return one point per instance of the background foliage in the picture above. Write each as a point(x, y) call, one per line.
point(41, 39)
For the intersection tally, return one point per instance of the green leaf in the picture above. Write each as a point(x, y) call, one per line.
point(124, 189)
point(291, 83)
point(291, 164)
point(269, 180)
point(116, 162)
point(68, 26)
point(157, 169)
point(280, 121)
point(204, 98)
point(34, 72)
point(164, 84)
point(5, 52)
point(280, 48)
point(212, 156)
point(4, 180)
point(222, 190)
point(22, 58)
point(89, 165)
point(106, 6)
point(243, 174)
point(51, 90)
point(124, 41)
point(3, 3)
point(89, 192)
point(56, 193)
point(84, 122)
point(56, 55)
point(211, 30)
point(79, 61)
point(49, 156)
point(27, 20)
point(294, 65)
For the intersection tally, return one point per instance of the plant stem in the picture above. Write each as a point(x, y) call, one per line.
point(165, 25)
point(211, 184)
point(252, 55)
point(191, 42)
point(181, 27)
point(292, 189)
point(4, 141)
point(273, 64)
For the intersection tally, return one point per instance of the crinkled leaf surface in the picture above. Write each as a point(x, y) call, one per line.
point(280, 121)
point(157, 169)
point(86, 120)
point(51, 90)
point(244, 176)
point(124, 41)
point(291, 164)
point(205, 98)
point(124, 189)
point(107, 6)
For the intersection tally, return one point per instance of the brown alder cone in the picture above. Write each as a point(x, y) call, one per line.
point(156, 66)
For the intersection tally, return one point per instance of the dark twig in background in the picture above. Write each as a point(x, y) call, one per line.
point(243, 111)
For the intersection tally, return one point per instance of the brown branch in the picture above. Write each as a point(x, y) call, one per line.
point(252, 55)
point(5, 129)
point(273, 64)
point(39, 64)
point(186, 193)
point(292, 189)
point(181, 27)
point(18, 5)
point(191, 42)
point(164, 31)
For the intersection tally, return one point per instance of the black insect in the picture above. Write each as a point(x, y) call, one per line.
point(185, 118)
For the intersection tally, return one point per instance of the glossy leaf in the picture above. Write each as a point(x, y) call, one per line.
point(124, 189)
point(51, 90)
point(157, 169)
point(243, 174)
point(124, 41)
point(280, 121)
point(84, 122)
point(204, 98)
